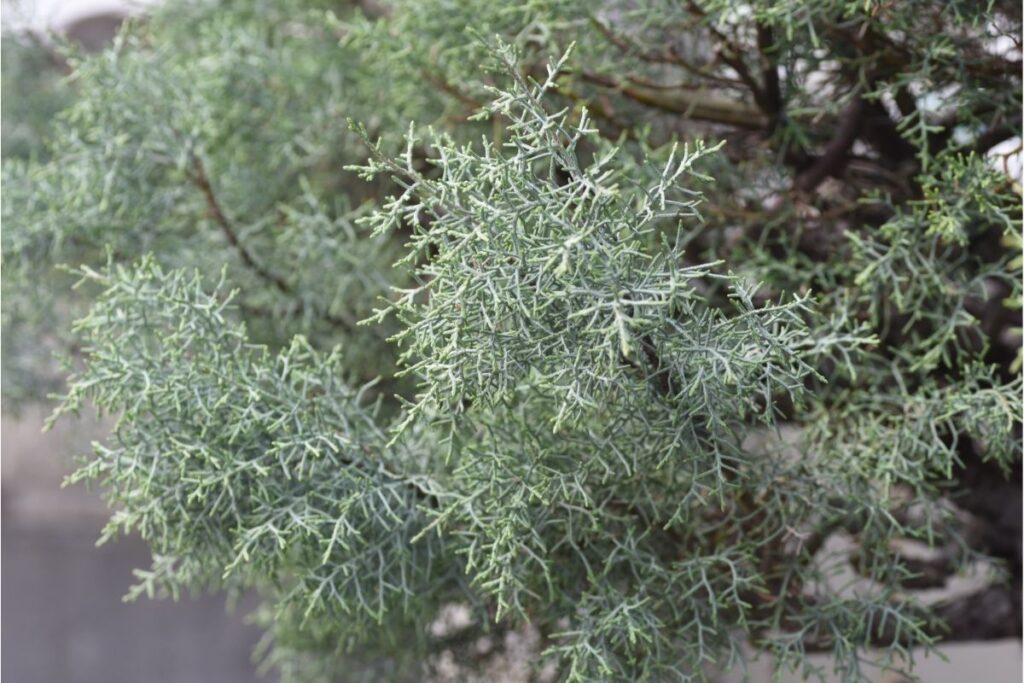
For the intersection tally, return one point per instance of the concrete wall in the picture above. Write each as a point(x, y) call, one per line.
point(60, 596)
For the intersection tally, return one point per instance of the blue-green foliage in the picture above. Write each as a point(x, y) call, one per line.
point(393, 315)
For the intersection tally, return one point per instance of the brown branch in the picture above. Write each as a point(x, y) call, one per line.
point(836, 152)
point(666, 57)
point(669, 56)
point(216, 212)
point(339, 320)
point(197, 174)
point(880, 131)
point(730, 53)
point(447, 87)
point(603, 112)
point(732, 58)
point(701, 105)
point(769, 72)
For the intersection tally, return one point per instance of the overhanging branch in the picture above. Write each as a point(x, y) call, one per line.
point(836, 153)
point(702, 106)
point(197, 175)
point(199, 178)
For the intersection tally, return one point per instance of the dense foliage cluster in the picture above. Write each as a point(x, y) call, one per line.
point(663, 333)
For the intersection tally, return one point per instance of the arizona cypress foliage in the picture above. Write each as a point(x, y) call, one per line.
point(665, 334)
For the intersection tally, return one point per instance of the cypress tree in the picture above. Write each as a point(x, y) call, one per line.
point(663, 334)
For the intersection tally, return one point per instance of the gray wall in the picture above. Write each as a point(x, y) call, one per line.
point(62, 614)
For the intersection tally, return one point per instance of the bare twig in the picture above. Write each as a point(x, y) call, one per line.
point(197, 174)
point(836, 152)
point(769, 72)
point(695, 105)
point(447, 87)
point(667, 56)
point(202, 181)
point(731, 54)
